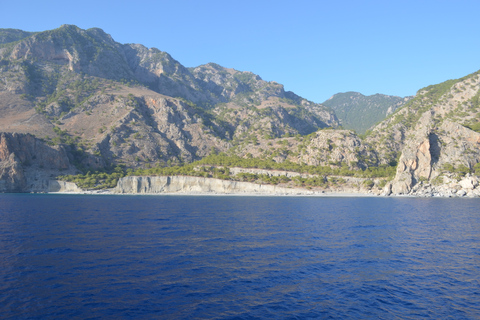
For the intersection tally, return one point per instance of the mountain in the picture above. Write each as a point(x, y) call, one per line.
point(128, 104)
point(76, 101)
point(434, 138)
point(12, 35)
point(358, 112)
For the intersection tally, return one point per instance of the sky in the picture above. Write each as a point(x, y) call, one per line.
point(314, 48)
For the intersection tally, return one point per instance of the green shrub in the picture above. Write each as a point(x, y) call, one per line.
point(437, 180)
point(368, 184)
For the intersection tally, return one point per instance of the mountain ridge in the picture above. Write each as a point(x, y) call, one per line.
point(110, 105)
point(359, 112)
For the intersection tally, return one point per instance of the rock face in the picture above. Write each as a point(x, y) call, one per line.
point(437, 150)
point(416, 159)
point(12, 178)
point(28, 150)
point(199, 185)
point(328, 147)
point(62, 187)
point(27, 164)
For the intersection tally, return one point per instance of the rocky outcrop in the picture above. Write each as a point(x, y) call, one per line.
point(438, 151)
point(426, 155)
point(12, 178)
point(30, 150)
point(337, 147)
point(198, 185)
point(450, 187)
point(63, 187)
point(416, 159)
point(27, 163)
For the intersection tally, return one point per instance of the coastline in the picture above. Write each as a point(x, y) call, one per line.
point(195, 186)
point(199, 186)
point(211, 194)
point(215, 194)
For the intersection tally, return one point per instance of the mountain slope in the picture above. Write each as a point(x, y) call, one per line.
point(12, 35)
point(431, 137)
point(99, 105)
point(127, 104)
point(359, 112)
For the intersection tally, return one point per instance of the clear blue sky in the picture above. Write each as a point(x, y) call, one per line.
point(314, 48)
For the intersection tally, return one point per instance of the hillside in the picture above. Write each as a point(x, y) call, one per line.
point(127, 104)
point(358, 112)
point(96, 105)
point(432, 136)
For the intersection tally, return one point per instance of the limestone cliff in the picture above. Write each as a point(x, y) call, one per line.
point(12, 178)
point(416, 159)
point(198, 185)
point(62, 187)
point(27, 164)
point(438, 149)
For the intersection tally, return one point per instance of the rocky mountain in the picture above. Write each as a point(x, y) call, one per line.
point(128, 104)
point(432, 142)
point(432, 138)
point(358, 112)
point(74, 100)
point(12, 35)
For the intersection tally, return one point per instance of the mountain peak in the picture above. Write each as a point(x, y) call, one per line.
point(69, 26)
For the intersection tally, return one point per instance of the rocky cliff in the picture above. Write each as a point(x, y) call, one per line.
point(200, 185)
point(436, 146)
point(27, 164)
point(58, 186)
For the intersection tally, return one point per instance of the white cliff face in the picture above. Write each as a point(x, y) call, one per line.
point(63, 186)
point(198, 185)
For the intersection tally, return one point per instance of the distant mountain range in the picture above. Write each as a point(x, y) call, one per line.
point(91, 103)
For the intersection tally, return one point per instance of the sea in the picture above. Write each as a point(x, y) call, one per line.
point(238, 257)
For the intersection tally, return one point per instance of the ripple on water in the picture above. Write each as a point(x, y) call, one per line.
point(238, 257)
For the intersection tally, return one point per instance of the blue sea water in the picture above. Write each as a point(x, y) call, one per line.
point(193, 257)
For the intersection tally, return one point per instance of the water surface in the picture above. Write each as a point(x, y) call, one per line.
point(181, 257)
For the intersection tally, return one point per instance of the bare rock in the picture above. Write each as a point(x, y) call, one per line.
point(23, 158)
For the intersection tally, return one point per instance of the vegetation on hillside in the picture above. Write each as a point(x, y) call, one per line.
point(217, 166)
point(358, 112)
point(132, 110)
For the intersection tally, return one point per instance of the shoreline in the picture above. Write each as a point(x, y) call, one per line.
point(212, 194)
point(316, 195)
point(199, 186)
